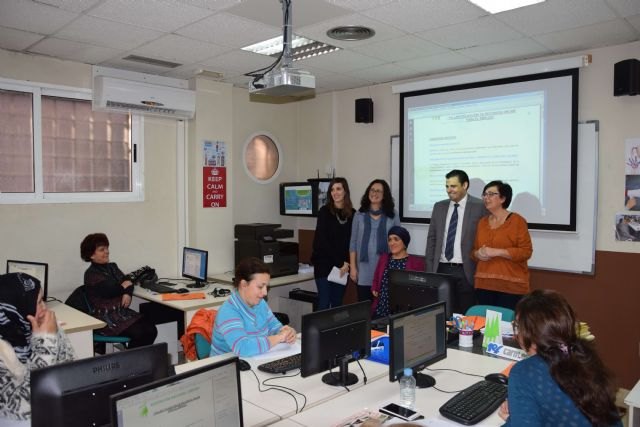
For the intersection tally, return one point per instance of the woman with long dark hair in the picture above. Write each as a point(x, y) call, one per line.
point(563, 382)
point(331, 243)
point(371, 224)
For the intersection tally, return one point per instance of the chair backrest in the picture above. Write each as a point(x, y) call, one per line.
point(481, 310)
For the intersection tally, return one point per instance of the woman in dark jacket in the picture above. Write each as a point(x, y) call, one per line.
point(331, 243)
point(109, 292)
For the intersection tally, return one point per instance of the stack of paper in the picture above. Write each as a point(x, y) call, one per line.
point(584, 332)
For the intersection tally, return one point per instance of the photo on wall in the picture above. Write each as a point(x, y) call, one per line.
point(632, 193)
point(322, 184)
point(632, 156)
point(627, 227)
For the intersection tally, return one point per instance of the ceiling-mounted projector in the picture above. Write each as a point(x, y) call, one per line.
point(284, 82)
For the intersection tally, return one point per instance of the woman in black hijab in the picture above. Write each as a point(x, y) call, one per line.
point(29, 339)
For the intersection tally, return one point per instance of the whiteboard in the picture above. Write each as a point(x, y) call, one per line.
point(572, 252)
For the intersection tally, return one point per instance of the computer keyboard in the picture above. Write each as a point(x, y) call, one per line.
point(475, 403)
point(158, 288)
point(282, 366)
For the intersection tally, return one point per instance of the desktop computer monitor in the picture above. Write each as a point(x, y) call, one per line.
point(194, 266)
point(334, 337)
point(39, 270)
point(413, 289)
point(77, 393)
point(205, 396)
point(417, 339)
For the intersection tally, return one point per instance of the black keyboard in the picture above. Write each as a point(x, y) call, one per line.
point(158, 288)
point(475, 403)
point(282, 366)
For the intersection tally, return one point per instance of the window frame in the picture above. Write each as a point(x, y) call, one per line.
point(38, 195)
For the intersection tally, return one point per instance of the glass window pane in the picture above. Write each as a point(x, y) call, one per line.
point(84, 150)
point(261, 157)
point(16, 142)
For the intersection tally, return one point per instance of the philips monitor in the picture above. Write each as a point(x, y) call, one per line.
point(333, 338)
point(39, 270)
point(299, 199)
point(194, 266)
point(417, 339)
point(77, 393)
point(413, 289)
point(205, 396)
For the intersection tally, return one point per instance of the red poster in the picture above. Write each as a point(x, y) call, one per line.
point(214, 187)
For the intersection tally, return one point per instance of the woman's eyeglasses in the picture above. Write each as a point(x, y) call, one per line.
point(375, 191)
point(489, 194)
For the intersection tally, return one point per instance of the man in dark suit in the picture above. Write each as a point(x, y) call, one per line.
point(452, 232)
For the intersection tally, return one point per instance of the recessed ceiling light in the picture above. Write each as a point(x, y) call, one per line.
point(300, 47)
point(497, 6)
point(351, 33)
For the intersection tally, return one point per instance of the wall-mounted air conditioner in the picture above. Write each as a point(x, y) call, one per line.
point(116, 94)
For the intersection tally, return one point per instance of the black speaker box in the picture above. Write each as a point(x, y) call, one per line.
point(626, 77)
point(364, 110)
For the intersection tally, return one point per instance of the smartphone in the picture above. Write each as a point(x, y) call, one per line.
point(400, 412)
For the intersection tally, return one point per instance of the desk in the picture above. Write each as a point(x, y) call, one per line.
point(428, 400)
point(78, 326)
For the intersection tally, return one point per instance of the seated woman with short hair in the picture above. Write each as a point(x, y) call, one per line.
point(245, 325)
point(29, 339)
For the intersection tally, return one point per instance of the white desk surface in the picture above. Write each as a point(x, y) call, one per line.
point(72, 320)
point(428, 401)
point(312, 387)
point(227, 278)
point(185, 305)
point(633, 398)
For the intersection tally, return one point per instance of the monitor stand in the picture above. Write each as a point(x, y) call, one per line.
point(342, 378)
point(197, 284)
point(424, 380)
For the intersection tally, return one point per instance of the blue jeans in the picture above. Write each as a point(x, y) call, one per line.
point(329, 294)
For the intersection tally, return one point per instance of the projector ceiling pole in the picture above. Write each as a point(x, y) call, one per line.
point(287, 31)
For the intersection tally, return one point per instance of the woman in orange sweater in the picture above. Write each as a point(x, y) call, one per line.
point(501, 250)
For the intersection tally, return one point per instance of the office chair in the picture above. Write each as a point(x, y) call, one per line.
point(508, 315)
point(113, 341)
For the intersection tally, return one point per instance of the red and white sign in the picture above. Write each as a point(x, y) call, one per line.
point(214, 187)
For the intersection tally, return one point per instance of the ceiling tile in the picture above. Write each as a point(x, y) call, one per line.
point(319, 31)
point(361, 4)
point(603, 34)
point(16, 39)
point(625, 7)
point(438, 63)
point(166, 16)
point(383, 73)
point(190, 70)
point(340, 82)
point(635, 22)
point(509, 50)
point(101, 32)
point(71, 5)
point(123, 64)
point(485, 30)
point(556, 15)
point(340, 61)
point(399, 49)
point(33, 17)
point(80, 52)
point(420, 15)
point(179, 49)
point(304, 12)
point(211, 4)
point(229, 30)
point(240, 61)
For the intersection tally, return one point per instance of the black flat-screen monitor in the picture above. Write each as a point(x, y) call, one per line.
point(194, 266)
point(39, 270)
point(417, 339)
point(76, 394)
point(299, 199)
point(206, 396)
point(413, 289)
point(333, 338)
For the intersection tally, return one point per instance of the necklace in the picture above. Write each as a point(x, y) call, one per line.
point(340, 220)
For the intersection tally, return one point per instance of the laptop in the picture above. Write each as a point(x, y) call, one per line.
point(206, 396)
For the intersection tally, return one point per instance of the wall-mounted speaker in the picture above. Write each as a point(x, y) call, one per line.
point(364, 110)
point(626, 77)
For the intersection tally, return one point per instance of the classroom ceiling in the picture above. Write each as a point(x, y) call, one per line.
point(412, 37)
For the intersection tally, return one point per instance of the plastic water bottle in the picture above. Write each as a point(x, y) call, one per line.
point(408, 389)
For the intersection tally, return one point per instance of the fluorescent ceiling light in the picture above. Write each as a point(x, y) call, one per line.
point(497, 6)
point(301, 47)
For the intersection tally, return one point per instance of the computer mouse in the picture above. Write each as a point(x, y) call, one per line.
point(244, 365)
point(497, 378)
point(182, 291)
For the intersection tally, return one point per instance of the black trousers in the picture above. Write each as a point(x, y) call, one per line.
point(500, 299)
point(143, 332)
point(464, 295)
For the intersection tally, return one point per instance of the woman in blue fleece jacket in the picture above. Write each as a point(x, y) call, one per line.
point(563, 382)
point(245, 325)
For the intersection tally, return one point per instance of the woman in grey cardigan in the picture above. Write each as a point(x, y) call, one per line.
point(369, 234)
